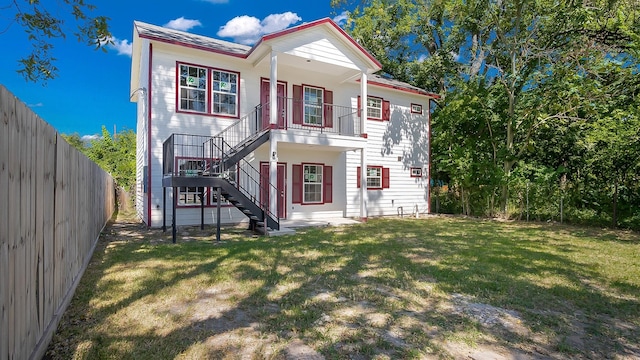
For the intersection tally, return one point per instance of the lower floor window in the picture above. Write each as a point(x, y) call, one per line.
point(312, 183)
point(190, 195)
point(374, 177)
point(377, 177)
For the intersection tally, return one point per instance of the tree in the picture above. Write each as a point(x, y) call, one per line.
point(515, 76)
point(76, 141)
point(114, 154)
point(42, 26)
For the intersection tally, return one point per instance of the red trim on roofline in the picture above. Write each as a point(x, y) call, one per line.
point(193, 46)
point(419, 92)
point(269, 37)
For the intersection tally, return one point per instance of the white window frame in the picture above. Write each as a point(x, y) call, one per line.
point(374, 107)
point(191, 85)
point(224, 87)
point(314, 180)
point(374, 175)
point(416, 108)
point(416, 172)
point(190, 195)
point(313, 112)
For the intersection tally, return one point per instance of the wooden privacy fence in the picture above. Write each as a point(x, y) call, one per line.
point(54, 202)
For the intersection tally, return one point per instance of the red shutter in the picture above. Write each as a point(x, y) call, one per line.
point(385, 178)
point(296, 184)
point(327, 179)
point(359, 176)
point(328, 108)
point(386, 110)
point(298, 105)
point(359, 104)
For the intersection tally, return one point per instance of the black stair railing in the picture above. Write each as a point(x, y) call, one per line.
point(247, 179)
point(244, 130)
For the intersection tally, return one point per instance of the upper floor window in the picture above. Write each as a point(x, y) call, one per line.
point(374, 108)
point(208, 90)
point(225, 92)
point(312, 106)
point(377, 108)
point(313, 101)
point(193, 88)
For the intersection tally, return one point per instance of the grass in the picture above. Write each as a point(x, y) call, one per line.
point(387, 289)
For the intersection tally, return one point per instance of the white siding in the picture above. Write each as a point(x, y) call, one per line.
point(141, 130)
point(398, 144)
point(404, 136)
point(319, 45)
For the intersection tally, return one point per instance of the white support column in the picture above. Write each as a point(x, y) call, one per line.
point(273, 176)
point(363, 104)
point(273, 145)
point(273, 89)
point(364, 198)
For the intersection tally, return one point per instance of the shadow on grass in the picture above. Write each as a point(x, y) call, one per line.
point(381, 288)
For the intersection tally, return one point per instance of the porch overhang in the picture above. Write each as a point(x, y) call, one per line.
point(328, 142)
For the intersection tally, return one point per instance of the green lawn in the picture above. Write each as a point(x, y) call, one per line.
point(388, 289)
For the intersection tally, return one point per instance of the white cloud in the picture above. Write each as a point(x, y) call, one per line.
point(87, 138)
point(422, 57)
point(277, 22)
point(37, 105)
point(248, 29)
point(216, 1)
point(182, 24)
point(342, 18)
point(123, 47)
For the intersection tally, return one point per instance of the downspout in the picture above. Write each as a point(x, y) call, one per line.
point(149, 135)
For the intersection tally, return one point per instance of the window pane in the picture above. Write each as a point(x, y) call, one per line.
point(313, 99)
point(225, 88)
point(374, 177)
point(193, 85)
point(374, 108)
point(312, 188)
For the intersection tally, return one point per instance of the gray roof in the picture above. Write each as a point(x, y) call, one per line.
point(399, 85)
point(203, 42)
point(171, 36)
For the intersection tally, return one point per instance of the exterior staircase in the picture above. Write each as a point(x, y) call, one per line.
point(223, 166)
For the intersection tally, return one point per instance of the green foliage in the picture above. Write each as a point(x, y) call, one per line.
point(42, 23)
point(535, 92)
point(115, 154)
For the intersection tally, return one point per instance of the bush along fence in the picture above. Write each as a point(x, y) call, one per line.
point(542, 199)
point(54, 204)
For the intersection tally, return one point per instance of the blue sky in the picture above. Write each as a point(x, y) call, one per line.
point(92, 87)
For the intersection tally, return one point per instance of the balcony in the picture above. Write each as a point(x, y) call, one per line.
point(313, 117)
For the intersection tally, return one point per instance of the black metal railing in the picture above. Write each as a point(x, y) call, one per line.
point(184, 155)
point(245, 129)
point(254, 186)
point(319, 118)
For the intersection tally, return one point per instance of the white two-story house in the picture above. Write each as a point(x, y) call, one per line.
point(279, 130)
